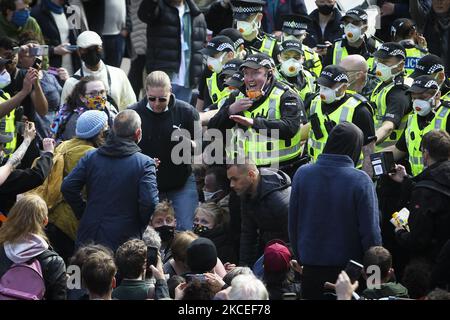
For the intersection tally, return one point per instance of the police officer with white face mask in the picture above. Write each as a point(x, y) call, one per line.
point(430, 113)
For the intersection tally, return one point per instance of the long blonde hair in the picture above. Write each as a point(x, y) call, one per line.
point(27, 216)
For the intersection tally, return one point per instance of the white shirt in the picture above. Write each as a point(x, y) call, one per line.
point(179, 78)
point(115, 17)
point(63, 28)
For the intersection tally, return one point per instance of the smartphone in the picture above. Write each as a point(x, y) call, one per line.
point(354, 270)
point(322, 45)
point(71, 47)
point(38, 51)
point(37, 64)
point(152, 256)
point(193, 276)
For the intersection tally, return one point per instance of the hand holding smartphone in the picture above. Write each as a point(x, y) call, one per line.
point(354, 270)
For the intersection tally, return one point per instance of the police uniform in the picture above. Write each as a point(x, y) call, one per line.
point(413, 55)
point(8, 126)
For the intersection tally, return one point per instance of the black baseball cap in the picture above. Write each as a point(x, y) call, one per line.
point(357, 14)
point(402, 27)
point(331, 75)
point(218, 44)
point(291, 45)
point(4, 61)
point(234, 35)
point(244, 8)
point(423, 83)
point(295, 24)
point(236, 80)
point(428, 64)
point(390, 49)
point(231, 66)
point(258, 60)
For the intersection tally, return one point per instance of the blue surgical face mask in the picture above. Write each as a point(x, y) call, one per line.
point(20, 17)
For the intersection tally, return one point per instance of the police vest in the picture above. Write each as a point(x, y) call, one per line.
point(312, 61)
point(257, 145)
point(8, 125)
point(213, 89)
point(310, 83)
point(378, 99)
point(446, 97)
point(412, 56)
point(343, 113)
point(268, 45)
point(340, 52)
point(414, 135)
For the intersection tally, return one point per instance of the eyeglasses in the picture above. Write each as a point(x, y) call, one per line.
point(160, 99)
point(96, 93)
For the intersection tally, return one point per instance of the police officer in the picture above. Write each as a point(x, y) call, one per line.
point(218, 52)
point(389, 100)
point(354, 41)
point(403, 31)
point(430, 113)
point(295, 28)
point(433, 65)
point(291, 59)
point(265, 121)
point(238, 40)
point(248, 15)
point(334, 105)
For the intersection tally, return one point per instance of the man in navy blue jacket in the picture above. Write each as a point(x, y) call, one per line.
point(120, 186)
point(333, 212)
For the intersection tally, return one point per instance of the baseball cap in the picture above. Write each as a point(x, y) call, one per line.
point(234, 35)
point(428, 64)
point(231, 66)
point(258, 60)
point(218, 44)
point(357, 14)
point(295, 24)
point(277, 256)
point(422, 84)
point(291, 45)
point(402, 27)
point(243, 9)
point(88, 39)
point(331, 75)
point(236, 80)
point(390, 49)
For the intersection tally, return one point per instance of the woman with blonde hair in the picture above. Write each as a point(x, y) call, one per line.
point(23, 239)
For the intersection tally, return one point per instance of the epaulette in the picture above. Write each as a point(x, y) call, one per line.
point(360, 97)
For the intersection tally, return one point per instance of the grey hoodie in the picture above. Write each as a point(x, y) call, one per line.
point(32, 246)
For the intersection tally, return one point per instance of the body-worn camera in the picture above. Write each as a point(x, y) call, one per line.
point(382, 163)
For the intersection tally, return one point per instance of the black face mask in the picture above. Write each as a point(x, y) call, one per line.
point(200, 230)
point(325, 9)
point(166, 233)
point(91, 58)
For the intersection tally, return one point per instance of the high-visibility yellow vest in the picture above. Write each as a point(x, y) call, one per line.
point(378, 99)
point(311, 55)
point(213, 89)
point(340, 52)
point(446, 97)
point(412, 56)
point(414, 135)
point(310, 85)
point(343, 113)
point(257, 145)
point(8, 126)
point(268, 45)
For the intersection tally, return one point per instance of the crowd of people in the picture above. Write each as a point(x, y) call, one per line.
point(254, 151)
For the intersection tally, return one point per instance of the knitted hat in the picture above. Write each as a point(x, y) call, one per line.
point(201, 255)
point(90, 123)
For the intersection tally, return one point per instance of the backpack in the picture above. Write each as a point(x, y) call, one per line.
point(22, 281)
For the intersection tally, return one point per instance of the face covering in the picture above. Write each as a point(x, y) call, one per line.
point(291, 67)
point(166, 233)
point(256, 94)
point(246, 28)
point(352, 32)
point(53, 7)
point(384, 72)
point(96, 103)
point(326, 9)
point(423, 107)
point(209, 195)
point(215, 64)
point(199, 229)
point(329, 95)
point(5, 79)
point(91, 58)
point(20, 17)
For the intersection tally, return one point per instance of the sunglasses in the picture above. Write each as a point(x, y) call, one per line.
point(160, 99)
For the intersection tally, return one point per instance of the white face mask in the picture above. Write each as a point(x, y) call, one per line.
point(352, 32)
point(328, 95)
point(5, 79)
point(209, 195)
point(291, 67)
point(246, 28)
point(423, 107)
point(384, 72)
point(215, 64)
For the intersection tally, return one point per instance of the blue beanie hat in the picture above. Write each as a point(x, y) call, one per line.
point(90, 123)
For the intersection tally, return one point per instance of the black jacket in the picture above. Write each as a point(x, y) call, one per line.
point(20, 181)
point(333, 30)
point(163, 38)
point(222, 240)
point(51, 35)
point(429, 219)
point(157, 129)
point(264, 217)
point(219, 18)
point(438, 39)
point(53, 271)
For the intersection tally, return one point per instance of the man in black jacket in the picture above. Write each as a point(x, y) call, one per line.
point(264, 197)
point(174, 45)
point(164, 119)
point(427, 196)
